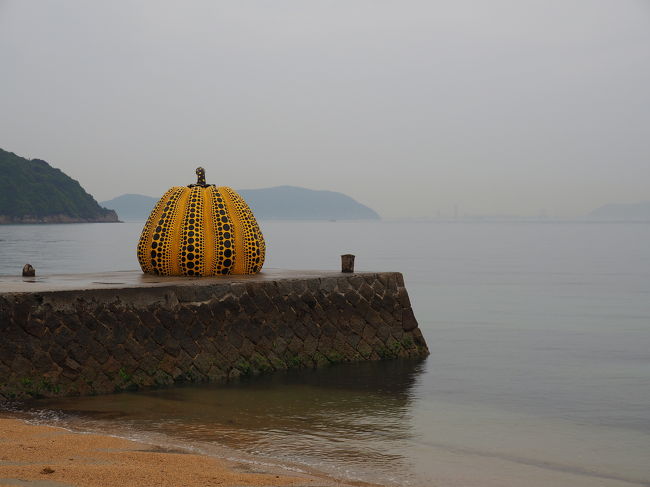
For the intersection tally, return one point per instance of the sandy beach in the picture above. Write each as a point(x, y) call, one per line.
point(45, 456)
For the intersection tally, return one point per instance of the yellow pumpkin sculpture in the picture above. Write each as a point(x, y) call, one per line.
point(201, 230)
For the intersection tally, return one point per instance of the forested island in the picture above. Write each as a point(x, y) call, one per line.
point(32, 191)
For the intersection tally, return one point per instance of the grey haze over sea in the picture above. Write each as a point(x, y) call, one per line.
point(539, 371)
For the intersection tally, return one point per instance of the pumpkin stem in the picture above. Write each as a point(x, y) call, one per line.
point(200, 173)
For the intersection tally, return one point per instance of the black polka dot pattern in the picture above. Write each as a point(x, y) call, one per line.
point(201, 231)
point(225, 250)
point(145, 245)
point(192, 235)
point(161, 242)
point(253, 241)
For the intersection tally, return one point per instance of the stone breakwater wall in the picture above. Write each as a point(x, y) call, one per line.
point(95, 341)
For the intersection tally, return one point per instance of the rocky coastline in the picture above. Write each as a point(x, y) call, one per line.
point(108, 217)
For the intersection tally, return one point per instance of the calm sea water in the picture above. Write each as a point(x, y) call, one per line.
point(539, 371)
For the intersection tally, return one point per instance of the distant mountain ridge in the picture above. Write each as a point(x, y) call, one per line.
point(295, 203)
point(623, 211)
point(32, 191)
point(131, 206)
point(277, 203)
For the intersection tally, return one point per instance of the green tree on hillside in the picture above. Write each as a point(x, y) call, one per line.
point(33, 188)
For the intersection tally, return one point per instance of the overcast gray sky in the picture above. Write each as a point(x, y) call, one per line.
point(411, 107)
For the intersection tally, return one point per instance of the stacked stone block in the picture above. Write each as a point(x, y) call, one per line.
point(100, 341)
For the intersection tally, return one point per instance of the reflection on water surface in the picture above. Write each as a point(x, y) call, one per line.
point(351, 420)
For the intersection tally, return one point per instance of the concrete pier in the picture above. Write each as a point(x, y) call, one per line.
point(100, 333)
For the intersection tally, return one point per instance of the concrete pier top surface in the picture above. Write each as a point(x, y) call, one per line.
point(136, 279)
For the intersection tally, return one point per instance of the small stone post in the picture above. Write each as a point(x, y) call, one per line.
point(347, 263)
point(29, 271)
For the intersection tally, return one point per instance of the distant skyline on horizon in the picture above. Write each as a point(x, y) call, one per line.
point(417, 109)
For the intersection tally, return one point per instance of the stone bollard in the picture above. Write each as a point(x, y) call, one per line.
point(347, 263)
point(29, 271)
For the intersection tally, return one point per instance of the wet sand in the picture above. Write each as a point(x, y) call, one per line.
point(45, 456)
